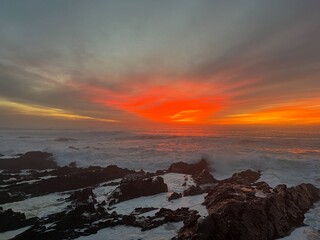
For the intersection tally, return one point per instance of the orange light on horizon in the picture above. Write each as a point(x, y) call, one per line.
point(306, 112)
point(181, 102)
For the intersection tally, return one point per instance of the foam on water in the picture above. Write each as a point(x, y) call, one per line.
point(290, 156)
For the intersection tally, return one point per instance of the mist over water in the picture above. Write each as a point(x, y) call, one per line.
point(284, 155)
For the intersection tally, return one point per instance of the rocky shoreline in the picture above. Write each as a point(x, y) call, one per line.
point(239, 207)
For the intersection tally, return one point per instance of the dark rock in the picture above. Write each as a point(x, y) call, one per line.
point(1, 155)
point(73, 165)
point(193, 190)
point(237, 212)
point(11, 220)
point(186, 168)
point(174, 196)
point(111, 184)
point(67, 179)
point(133, 187)
point(141, 210)
point(203, 177)
point(65, 139)
point(128, 220)
point(81, 197)
point(160, 172)
point(30, 160)
point(244, 177)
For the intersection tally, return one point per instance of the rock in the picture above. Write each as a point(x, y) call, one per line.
point(65, 139)
point(193, 190)
point(237, 212)
point(165, 215)
point(82, 197)
point(203, 177)
point(1, 155)
point(68, 178)
point(186, 168)
point(134, 187)
point(174, 196)
point(73, 165)
point(244, 177)
point(11, 220)
point(30, 160)
point(141, 210)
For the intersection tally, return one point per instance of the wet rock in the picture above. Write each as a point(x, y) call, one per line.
point(133, 187)
point(193, 190)
point(73, 165)
point(30, 160)
point(67, 178)
point(174, 196)
point(11, 220)
point(81, 197)
point(141, 210)
point(186, 168)
point(245, 177)
point(237, 212)
point(203, 177)
point(163, 216)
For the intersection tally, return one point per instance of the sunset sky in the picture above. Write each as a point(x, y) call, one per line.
point(109, 63)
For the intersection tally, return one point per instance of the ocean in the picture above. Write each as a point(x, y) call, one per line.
point(289, 155)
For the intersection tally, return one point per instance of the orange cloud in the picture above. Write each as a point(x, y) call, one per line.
point(303, 112)
point(180, 102)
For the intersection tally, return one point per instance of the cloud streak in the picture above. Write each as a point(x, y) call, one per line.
point(204, 62)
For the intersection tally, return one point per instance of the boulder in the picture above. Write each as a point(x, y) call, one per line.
point(236, 211)
point(193, 190)
point(203, 177)
point(135, 187)
point(82, 197)
point(186, 168)
point(11, 220)
point(174, 196)
point(67, 178)
point(30, 160)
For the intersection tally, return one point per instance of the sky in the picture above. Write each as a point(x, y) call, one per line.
point(114, 63)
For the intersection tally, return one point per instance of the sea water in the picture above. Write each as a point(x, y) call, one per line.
point(289, 155)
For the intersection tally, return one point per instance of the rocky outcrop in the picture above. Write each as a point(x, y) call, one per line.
point(83, 197)
point(244, 177)
point(30, 160)
point(193, 190)
point(11, 220)
point(246, 212)
point(134, 187)
point(67, 178)
point(174, 196)
point(203, 177)
point(188, 168)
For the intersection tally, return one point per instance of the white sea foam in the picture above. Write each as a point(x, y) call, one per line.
point(289, 156)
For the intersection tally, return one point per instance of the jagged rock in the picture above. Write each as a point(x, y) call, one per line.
point(11, 220)
point(134, 187)
point(186, 168)
point(236, 211)
point(245, 177)
point(174, 196)
point(193, 190)
point(72, 164)
point(203, 177)
point(68, 178)
point(141, 210)
point(30, 160)
point(81, 197)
